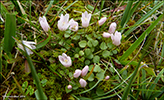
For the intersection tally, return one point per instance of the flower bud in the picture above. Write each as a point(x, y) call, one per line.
point(102, 21)
point(112, 28)
point(84, 71)
point(69, 87)
point(107, 77)
point(44, 24)
point(82, 82)
point(77, 73)
point(106, 35)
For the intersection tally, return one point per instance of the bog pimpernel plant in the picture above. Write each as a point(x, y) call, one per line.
point(84, 50)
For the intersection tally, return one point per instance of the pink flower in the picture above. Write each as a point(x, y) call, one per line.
point(44, 24)
point(106, 35)
point(85, 19)
point(82, 82)
point(65, 60)
point(116, 38)
point(77, 73)
point(84, 71)
point(112, 28)
point(73, 25)
point(102, 21)
point(107, 77)
point(63, 23)
point(69, 87)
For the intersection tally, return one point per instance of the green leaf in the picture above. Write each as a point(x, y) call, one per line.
point(97, 69)
point(149, 70)
point(96, 59)
point(100, 75)
point(99, 91)
point(110, 45)
point(143, 78)
point(144, 18)
point(43, 82)
point(1, 62)
point(103, 46)
point(49, 6)
point(31, 90)
point(114, 51)
point(88, 51)
point(89, 44)
point(134, 73)
point(105, 53)
point(82, 43)
point(10, 30)
point(152, 86)
point(38, 97)
point(39, 92)
point(81, 52)
point(126, 12)
point(87, 62)
point(90, 56)
point(140, 39)
point(84, 98)
point(24, 85)
point(91, 77)
point(42, 44)
point(94, 43)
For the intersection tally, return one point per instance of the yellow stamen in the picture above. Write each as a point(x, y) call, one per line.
point(86, 18)
point(66, 60)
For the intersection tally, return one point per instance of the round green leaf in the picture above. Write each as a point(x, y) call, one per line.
point(87, 62)
point(105, 53)
point(100, 75)
point(91, 77)
point(99, 91)
point(103, 46)
point(114, 51)
point(76, 55)
point(89, 43)
point(95, 43)
point(97, 68)
point(110, 45)
point(87, 51)
point(96, 59)
point(82, 43)
point(90, 56)
point(81, 52)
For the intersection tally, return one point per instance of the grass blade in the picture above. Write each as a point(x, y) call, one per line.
point(40, 92)
point(10, 30)
point(143, 79)
point(1, 62)
point(140, 39)
point(128, 87)
point(155, 95)
point(126, 13)
point(102, 5)
point(43, 43)
point(144, 17)
point(162, 55)
point(131, 13)
point(148, 94)
point(49, 6)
